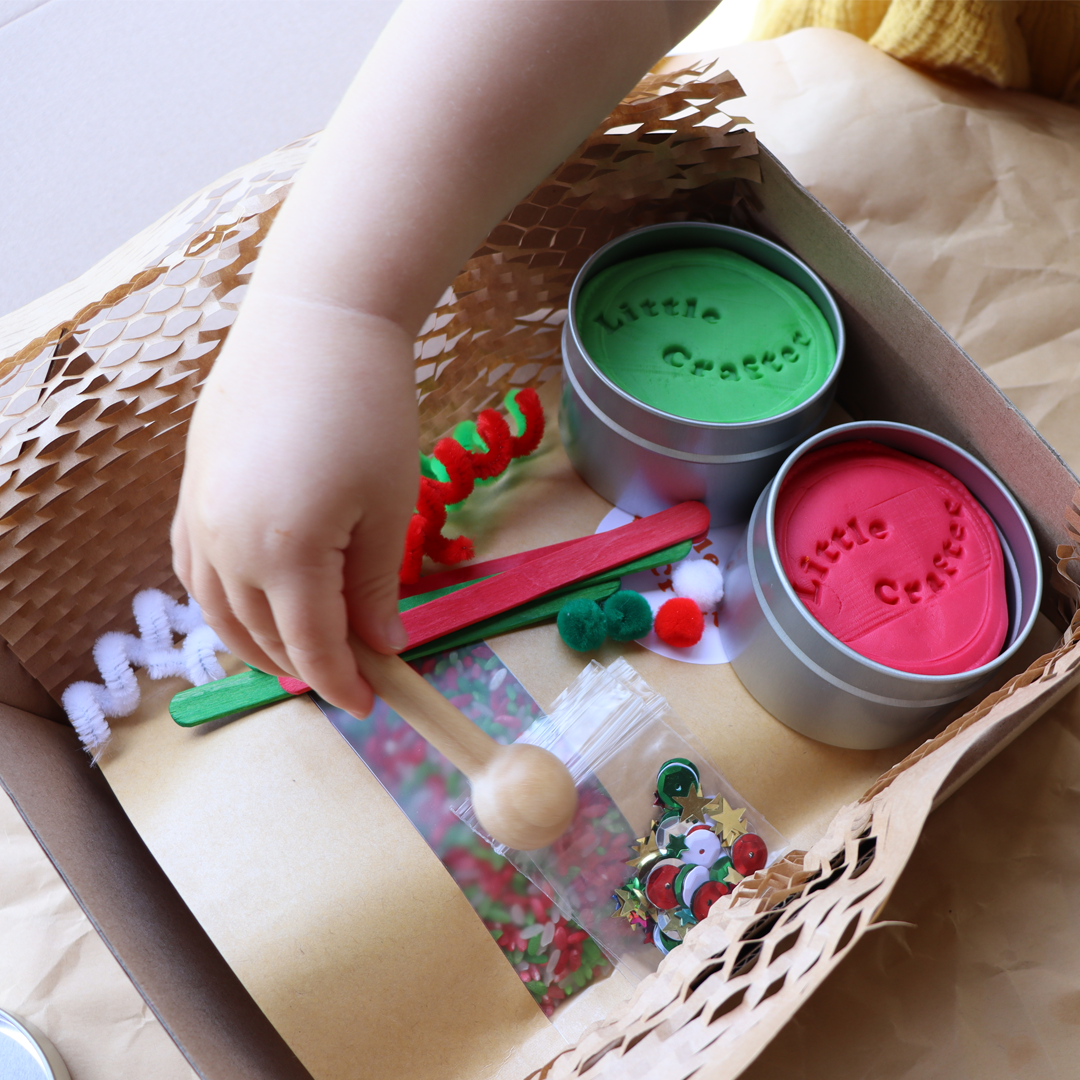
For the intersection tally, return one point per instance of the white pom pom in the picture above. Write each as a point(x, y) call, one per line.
point(701, 581)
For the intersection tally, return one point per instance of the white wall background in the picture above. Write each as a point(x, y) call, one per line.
point(114, 111)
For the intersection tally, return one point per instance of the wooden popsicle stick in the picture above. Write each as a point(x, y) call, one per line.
point(542, 610)
point(598, 588)
point(407, 603)
point(523, 795)
point(431, 715)
point(249, 689)
point(253, 689)
point(586, 557)
point(474, 571)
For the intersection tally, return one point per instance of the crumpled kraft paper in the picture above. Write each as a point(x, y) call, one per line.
point(57, 973)
point(334, 913)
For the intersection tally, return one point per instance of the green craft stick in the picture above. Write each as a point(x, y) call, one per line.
point(253, 689)
point(599, 587)
point(518, 618)
point(249, 689)
point(659, 558)
point(675, 553)
point(409, 602)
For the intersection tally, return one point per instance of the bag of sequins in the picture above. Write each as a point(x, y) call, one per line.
point(659, 835)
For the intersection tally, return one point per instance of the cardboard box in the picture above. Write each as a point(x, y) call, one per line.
point(720, 997)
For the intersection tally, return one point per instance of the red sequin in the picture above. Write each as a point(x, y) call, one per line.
point(660, 888)
point(748, 854)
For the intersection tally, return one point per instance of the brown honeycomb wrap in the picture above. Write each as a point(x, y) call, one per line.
point(96, 402)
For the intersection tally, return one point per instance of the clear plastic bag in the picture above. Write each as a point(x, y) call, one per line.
point(525, 922)
point(614, 733)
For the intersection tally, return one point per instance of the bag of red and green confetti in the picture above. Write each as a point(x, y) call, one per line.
point(659, 834)
point(554, 957)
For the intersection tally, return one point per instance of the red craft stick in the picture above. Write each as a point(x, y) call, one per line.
point(431, 582)
point(563, 565)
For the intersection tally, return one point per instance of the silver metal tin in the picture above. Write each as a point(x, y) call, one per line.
point(810, 680)
point(644, 460)
point(25, 1054)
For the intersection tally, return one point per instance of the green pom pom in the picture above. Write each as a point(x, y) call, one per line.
point(628, 615)
point(582, 625)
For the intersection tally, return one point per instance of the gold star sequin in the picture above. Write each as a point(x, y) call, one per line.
point(693, 806)
point(730, 821)
point(645, 851)
point(732, 877)
point(673, 927)
point(629, 905)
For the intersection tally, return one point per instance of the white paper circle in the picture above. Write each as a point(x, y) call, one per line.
point(655, 585)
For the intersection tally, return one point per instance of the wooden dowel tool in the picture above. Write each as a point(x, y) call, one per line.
point(523, 795)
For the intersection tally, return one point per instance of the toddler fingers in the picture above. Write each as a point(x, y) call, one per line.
point(313, 626)
point(213, 601)
point(181, 549)
point(253, 611)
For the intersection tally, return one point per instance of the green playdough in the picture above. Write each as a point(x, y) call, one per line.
point(705, 334)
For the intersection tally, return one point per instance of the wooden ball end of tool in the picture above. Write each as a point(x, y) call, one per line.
point(523, 795)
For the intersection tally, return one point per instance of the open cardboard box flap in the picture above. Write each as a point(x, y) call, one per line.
point(265, 846)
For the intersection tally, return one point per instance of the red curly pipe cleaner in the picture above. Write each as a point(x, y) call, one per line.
point(464, 467)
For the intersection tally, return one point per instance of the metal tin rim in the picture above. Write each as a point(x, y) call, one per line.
point(681, 455)
point(39, 1050)
point(975, 674)
point(583, 275)
point(835, 680)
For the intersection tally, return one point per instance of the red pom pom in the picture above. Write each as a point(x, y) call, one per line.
point(679, 623)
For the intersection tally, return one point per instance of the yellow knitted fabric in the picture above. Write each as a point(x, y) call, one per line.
point(1052, 33)
point(1019, 44)
point(859, 17)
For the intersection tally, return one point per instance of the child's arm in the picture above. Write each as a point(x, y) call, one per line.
point(301, 470)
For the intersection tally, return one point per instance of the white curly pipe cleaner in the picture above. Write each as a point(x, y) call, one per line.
point(158, 617)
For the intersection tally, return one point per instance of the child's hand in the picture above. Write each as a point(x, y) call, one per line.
point(301, 470)
point(299, 483)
